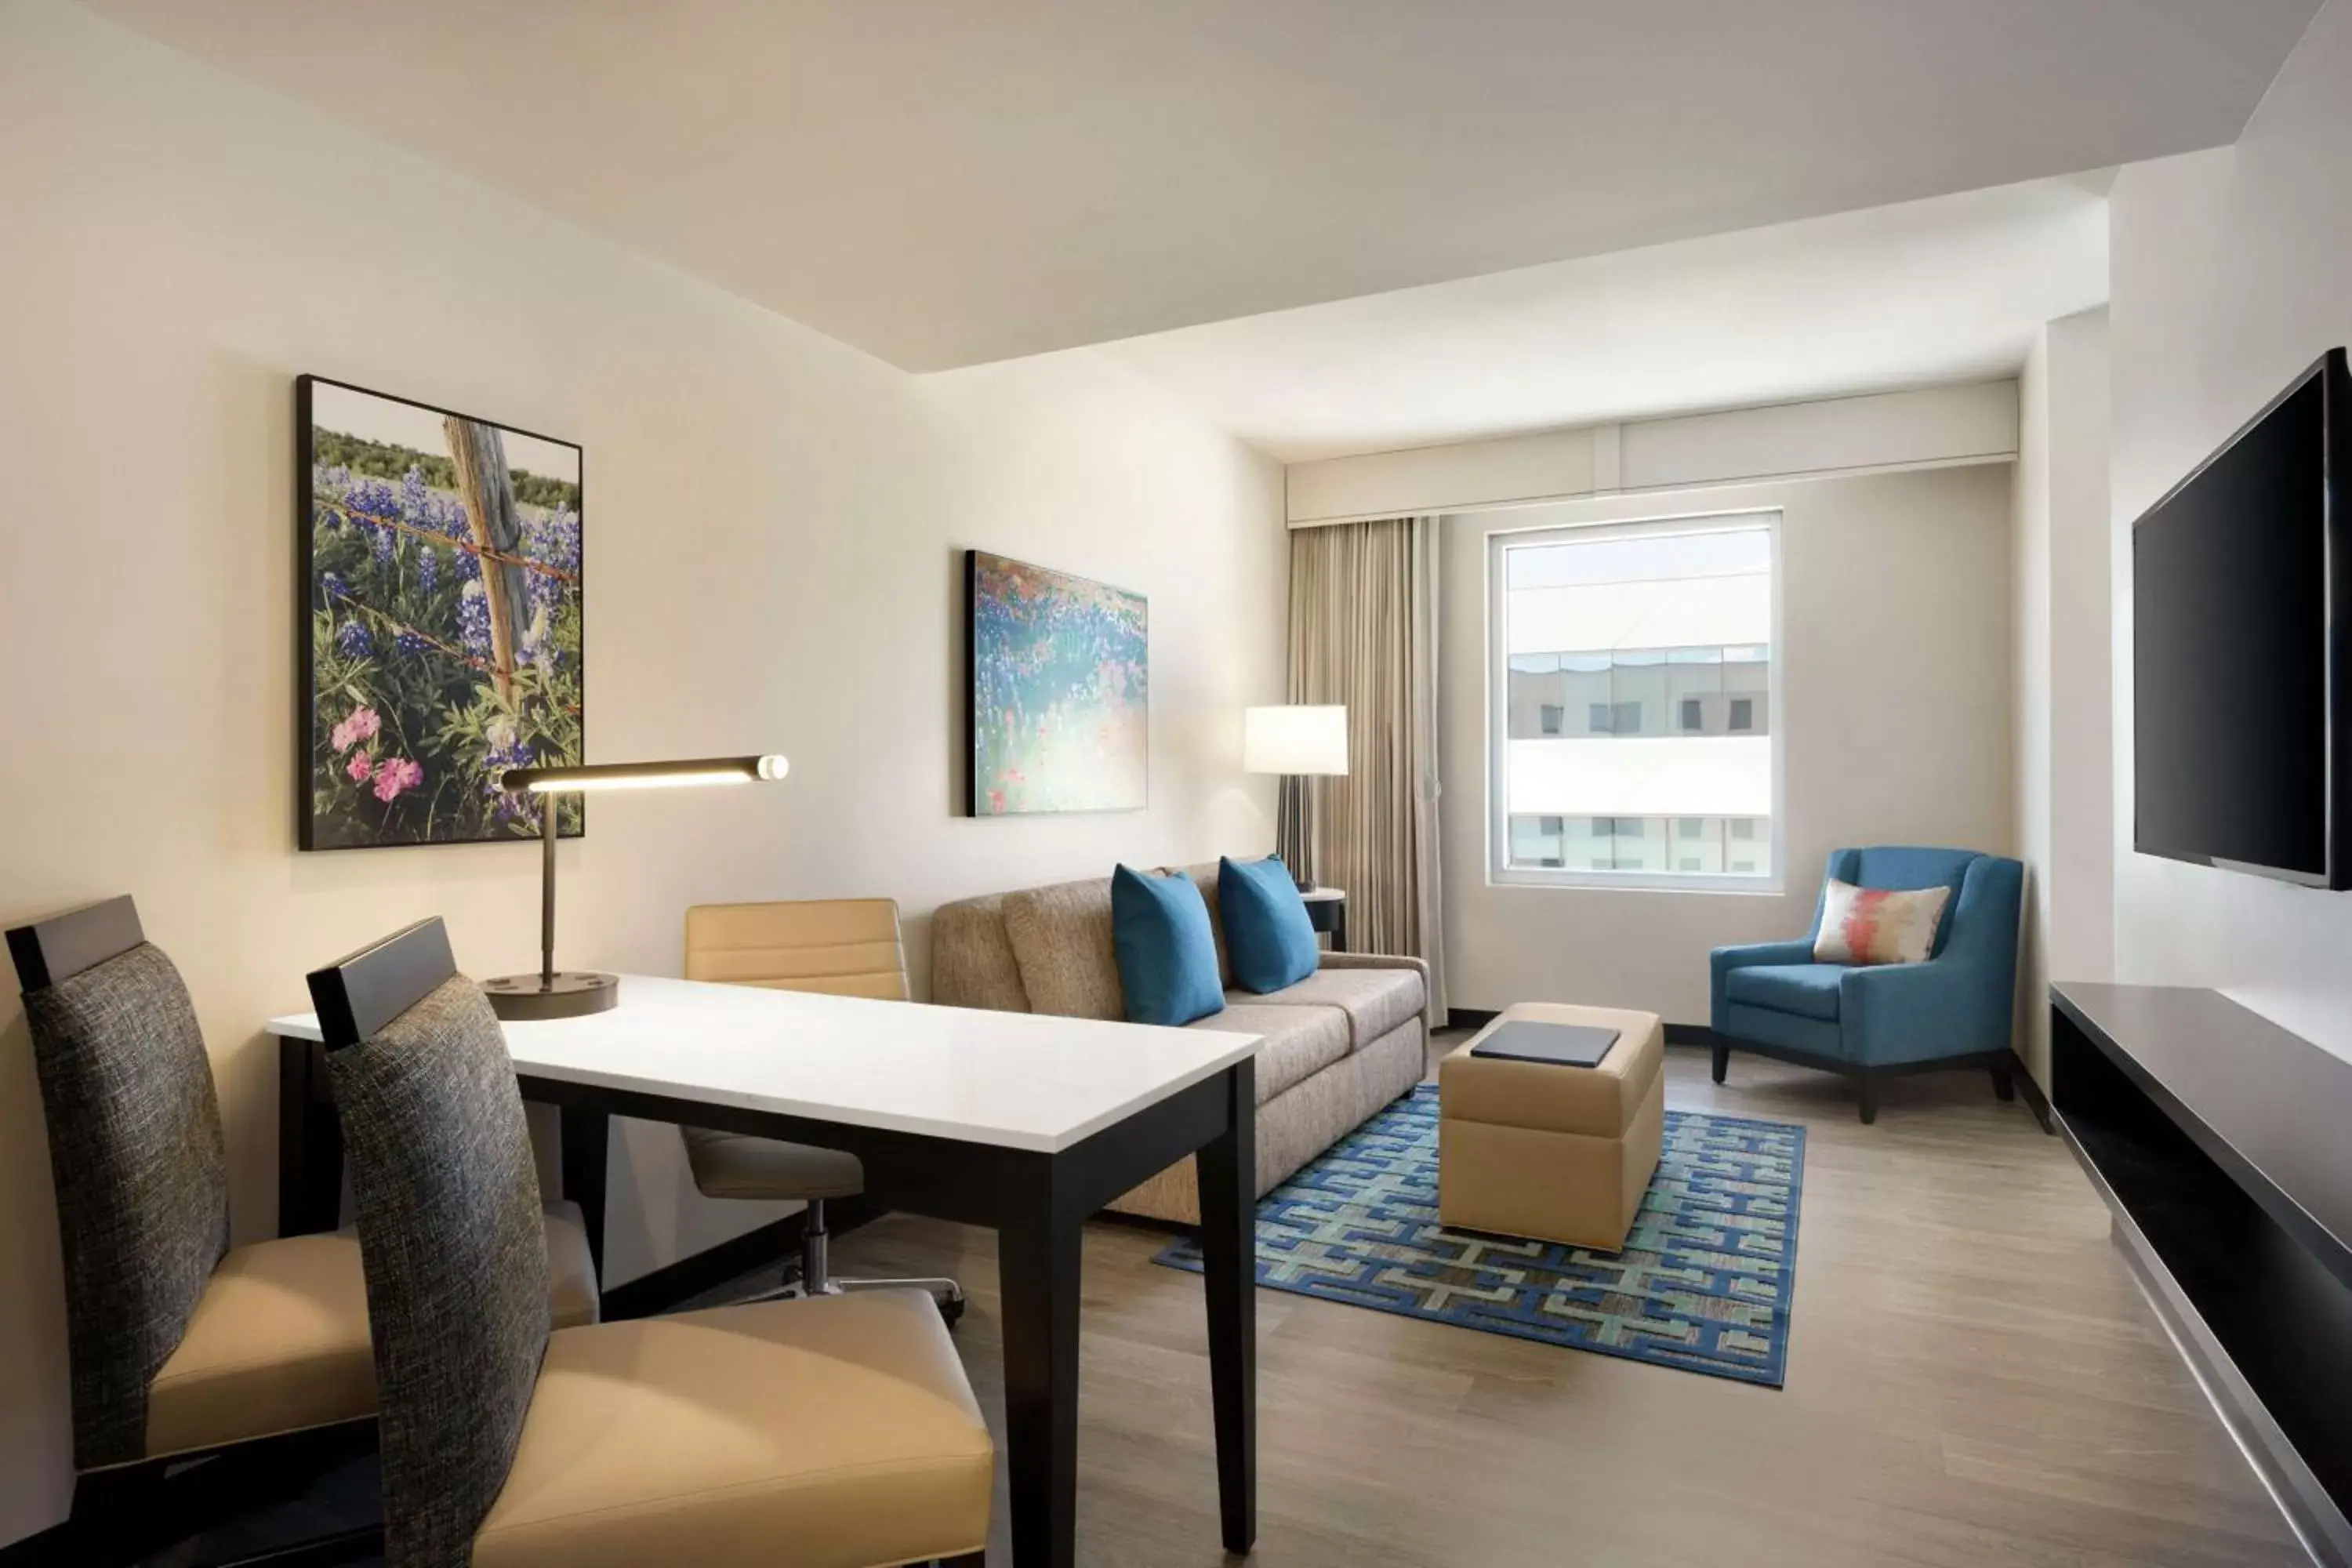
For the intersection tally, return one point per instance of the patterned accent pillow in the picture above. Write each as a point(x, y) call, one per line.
point(1878, 925)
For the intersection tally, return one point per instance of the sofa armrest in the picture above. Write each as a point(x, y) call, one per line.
point(1723, 960)
point(1892, 1013)
point(1374, 961)
point(1389, 960)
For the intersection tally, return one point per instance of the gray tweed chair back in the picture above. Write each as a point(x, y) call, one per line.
point(136, 1150)
point(450, 1233)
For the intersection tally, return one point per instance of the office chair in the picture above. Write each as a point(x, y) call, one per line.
point(843, 947)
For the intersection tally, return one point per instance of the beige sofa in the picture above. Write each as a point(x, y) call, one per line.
point(1339, 1045)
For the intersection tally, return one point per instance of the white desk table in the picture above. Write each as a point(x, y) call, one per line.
point(1022, 1122)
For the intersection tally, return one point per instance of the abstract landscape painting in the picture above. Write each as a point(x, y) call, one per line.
point(441, 574)
point(1060, 694)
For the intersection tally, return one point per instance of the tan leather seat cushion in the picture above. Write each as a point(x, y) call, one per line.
point(1061, 938)
point(1375, 1000)
point(575, 1299)
point(1298, 1042)
point(280, 1339)
point(837, 1432)
point(1602, 1099)
point(739, 1165)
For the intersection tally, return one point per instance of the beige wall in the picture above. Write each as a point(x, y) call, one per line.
point(2229, 281)
point(775, 525)
point(1895, 706)
point(2065, 794)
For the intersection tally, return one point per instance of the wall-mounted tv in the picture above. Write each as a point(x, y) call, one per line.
point(2240, 600)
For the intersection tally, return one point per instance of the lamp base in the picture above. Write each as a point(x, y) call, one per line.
point(574, 993)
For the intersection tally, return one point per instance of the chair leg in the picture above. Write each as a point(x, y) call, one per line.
point(1722, 1060)
point(2004, 1085)
point(1865, 1087)
point(816, 1275)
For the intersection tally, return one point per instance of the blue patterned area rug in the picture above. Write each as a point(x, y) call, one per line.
point(1703, 1283)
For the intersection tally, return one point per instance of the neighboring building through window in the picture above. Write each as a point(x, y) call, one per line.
point(1615, 625)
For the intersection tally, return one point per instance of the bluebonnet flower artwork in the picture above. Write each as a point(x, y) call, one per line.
point(443, 574)
point(1060, 701)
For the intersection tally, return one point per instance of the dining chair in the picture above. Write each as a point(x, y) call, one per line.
point(834, 1433)
point(843, 947)
point(180, 1346)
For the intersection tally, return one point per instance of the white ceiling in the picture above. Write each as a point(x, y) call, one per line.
point(946, 182)
point(1950, 289)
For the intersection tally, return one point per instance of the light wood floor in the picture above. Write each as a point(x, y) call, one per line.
point(1973, 1379)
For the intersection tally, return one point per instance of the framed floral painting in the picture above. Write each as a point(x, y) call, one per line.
point(441, 620)
point(1059, 704)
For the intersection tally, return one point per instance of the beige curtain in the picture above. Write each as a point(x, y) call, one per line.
point(1363, 633)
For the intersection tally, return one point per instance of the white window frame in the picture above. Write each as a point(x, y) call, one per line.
point(1501, 872)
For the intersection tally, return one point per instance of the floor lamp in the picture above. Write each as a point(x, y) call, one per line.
point(1295, 741)
point(569, 994)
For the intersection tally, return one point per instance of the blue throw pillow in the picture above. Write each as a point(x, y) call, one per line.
point(1268, 934)
point(1167, 954)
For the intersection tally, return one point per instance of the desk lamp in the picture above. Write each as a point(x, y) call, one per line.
point(554, 994)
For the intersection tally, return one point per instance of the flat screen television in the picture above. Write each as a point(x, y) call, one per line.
point(2238, 668)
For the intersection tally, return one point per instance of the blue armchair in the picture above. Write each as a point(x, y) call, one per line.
point(1958, 1009)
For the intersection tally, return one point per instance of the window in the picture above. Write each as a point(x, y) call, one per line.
point(1669, 624)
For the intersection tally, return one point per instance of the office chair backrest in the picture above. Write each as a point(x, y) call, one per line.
point(847, 947)
point(137, 1153)
point(450, 1231)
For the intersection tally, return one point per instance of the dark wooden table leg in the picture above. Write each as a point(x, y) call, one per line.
point(1340, 926)
point(1228, 1176)
point(1037, 1250)
point(584, 1138)
point(310, 1142)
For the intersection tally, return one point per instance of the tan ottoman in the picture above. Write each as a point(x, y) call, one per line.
point(1562, 1153)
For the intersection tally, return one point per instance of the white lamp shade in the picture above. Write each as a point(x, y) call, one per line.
point(1300, 739)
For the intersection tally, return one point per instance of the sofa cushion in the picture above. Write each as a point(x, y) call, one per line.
point(1297, 1042)
point(1167, 954)
point(1061, 938)
point(971, 958)
point(1807, 990)
point(1375, 1000)
point(1267, 930)
point(1205, 878)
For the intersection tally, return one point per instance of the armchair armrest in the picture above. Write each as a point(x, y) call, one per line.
point(1946, 1006)
point(1723, 960)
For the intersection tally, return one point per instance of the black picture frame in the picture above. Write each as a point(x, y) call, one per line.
point(306, 758)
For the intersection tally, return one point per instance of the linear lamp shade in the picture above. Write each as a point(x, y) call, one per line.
point(1299, 740)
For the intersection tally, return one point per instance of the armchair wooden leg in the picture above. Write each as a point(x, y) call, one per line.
point(1722, 1060)
point(1866, 1086)
point(2004, 1085)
